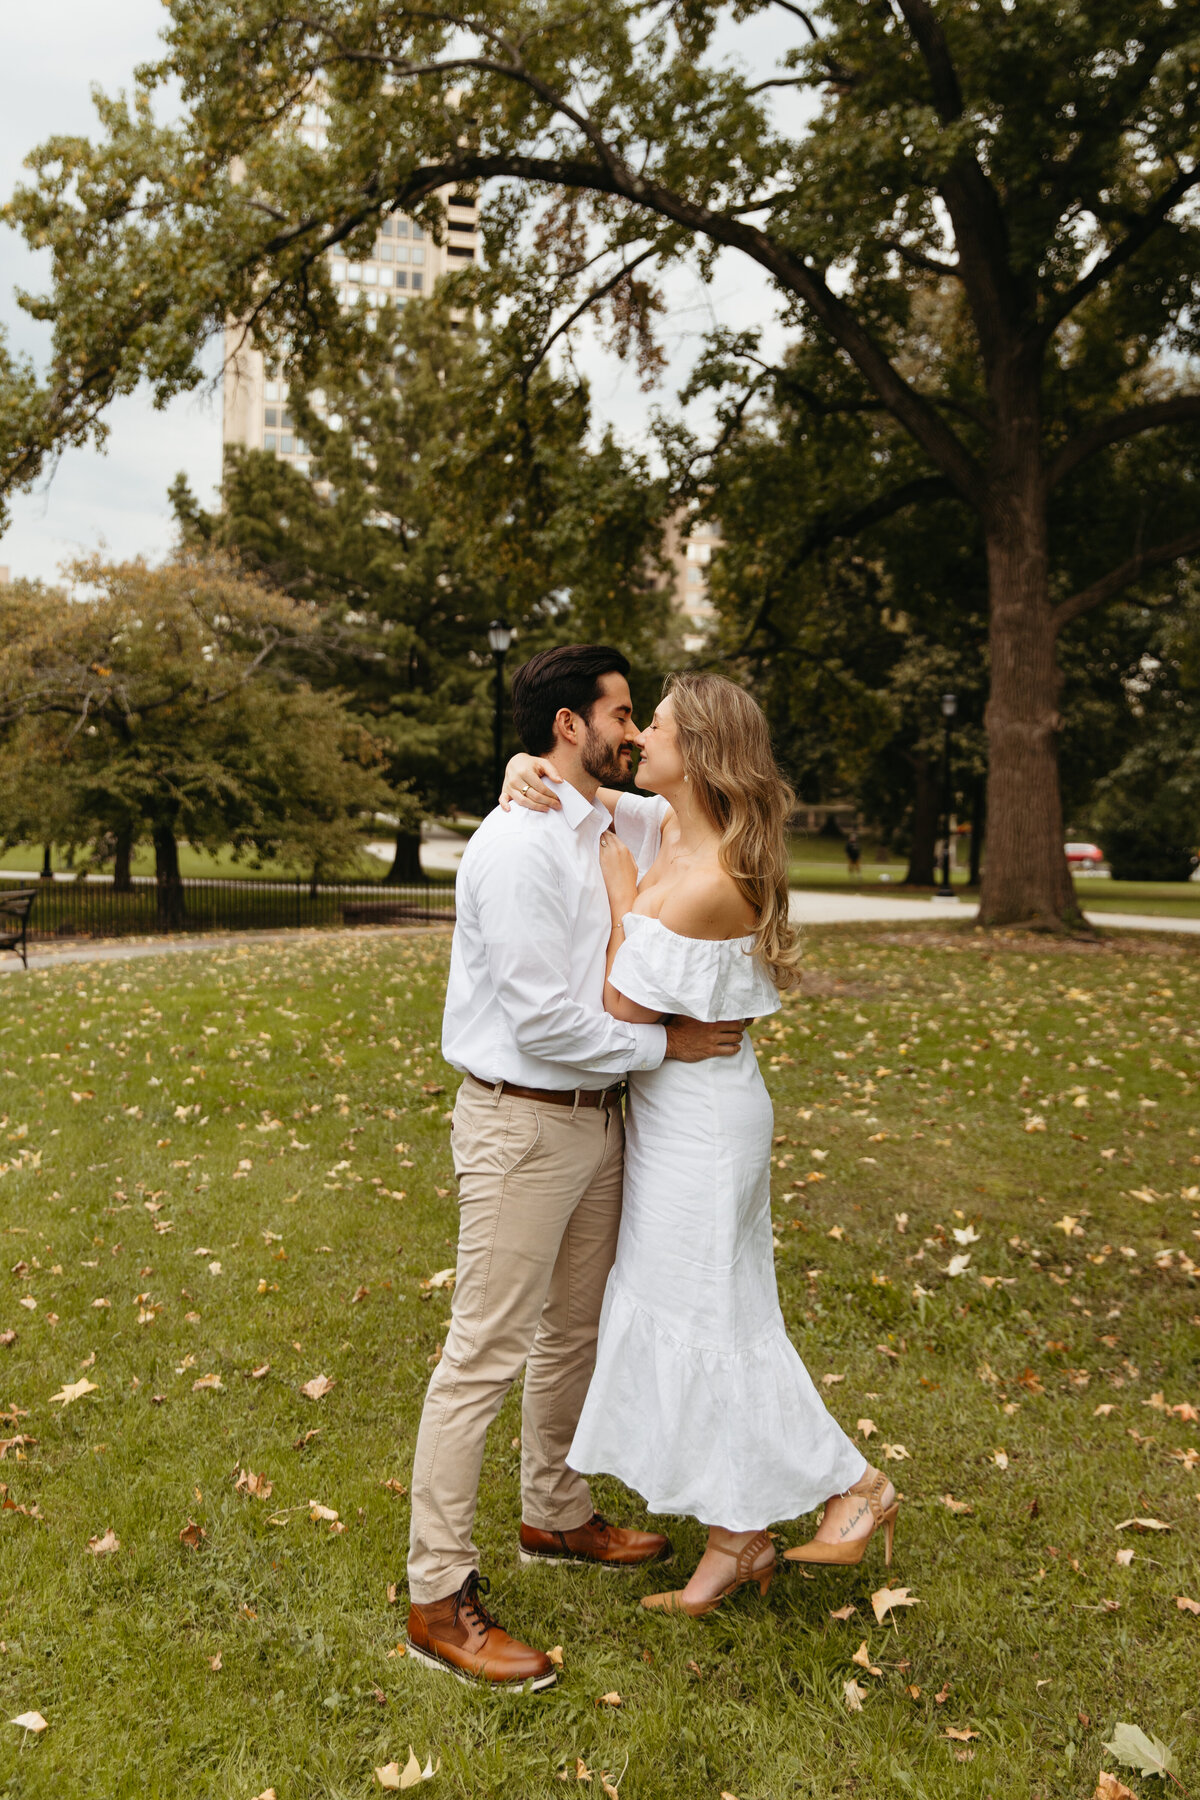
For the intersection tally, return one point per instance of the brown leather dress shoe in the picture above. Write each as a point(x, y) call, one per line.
point(459, 1636)
point(609, 1546)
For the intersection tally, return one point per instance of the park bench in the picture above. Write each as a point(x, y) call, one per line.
point(16, 904)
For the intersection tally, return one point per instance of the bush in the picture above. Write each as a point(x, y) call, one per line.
point(1145, 850)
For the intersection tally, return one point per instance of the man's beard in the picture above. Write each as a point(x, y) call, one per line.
point(601, 760)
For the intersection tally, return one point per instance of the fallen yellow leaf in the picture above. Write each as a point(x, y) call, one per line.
point(863, 1660)
point(885, 1598)
point(960, 1737)
point(613, 1699)
point(318, 1387)
point(106, 1545)
point(1142, 1525)
point(73, 1390)
point(853, 1695)
point(30, 1721)
point(1108, 1787)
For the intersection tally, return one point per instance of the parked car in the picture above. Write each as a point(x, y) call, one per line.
point(1084, 858)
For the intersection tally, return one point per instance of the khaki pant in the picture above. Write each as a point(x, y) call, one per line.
point(539, 1209)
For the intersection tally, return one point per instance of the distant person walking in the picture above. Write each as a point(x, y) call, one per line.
point(853, 855)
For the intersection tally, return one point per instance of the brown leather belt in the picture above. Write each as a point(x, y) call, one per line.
point(571, 1097)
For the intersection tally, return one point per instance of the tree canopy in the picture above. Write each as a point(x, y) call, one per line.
point(1031, 167)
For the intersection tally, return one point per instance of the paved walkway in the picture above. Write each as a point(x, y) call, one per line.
point(863, 909)
point(806, 909)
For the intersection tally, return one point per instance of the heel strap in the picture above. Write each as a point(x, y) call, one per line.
point(745, 1558)
point(869, 1487)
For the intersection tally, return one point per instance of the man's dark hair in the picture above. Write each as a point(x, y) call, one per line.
point(569, 676)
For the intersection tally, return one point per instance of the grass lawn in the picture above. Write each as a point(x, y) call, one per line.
point(197, 863)
point(226, 1173)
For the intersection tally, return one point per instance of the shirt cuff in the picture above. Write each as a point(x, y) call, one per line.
point(650, 1047)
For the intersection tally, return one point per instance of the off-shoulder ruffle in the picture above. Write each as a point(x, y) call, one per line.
point(703, 978)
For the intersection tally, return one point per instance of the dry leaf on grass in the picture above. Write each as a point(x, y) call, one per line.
point(73, 1390)
point(391, 1775)
point(956, 1506)
point(844, 1612)
point(262, 1369)
point(106, 1545)
point(556, 1656)
point(863, 1660)
point(393, 1593)
point(317, 1511)
point(895, 1453)
point(1142, 1525)
point(267, 1794)
point(441, 1278)
point(853, 1695)
point(30, 1721)
point(257, 1486)
point(1124, 1558)
point(1130, 1745)
point(1000, 1458)
point(318, 1387)
point(867, 1427)
point(192, 1535)
point(214, 1663)
point(1186, 1605)
point(960, 1737)
point(211, 1383)
point(885, 1598)
point(613, 1699)
point(1111, 1787)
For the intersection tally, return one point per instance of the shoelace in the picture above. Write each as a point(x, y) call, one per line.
point(469, 1600)
point(598, 1522)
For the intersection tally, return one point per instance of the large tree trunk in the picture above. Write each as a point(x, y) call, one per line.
point(1026, 881)
point(406, 870)
point(924, 823)
point(123, 861)
point(171, 912)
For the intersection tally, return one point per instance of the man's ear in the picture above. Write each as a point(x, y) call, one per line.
point(566, 725)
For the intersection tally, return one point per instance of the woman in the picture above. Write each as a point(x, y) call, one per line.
point(699, 1401)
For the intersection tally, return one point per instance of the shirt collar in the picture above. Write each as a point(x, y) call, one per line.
point(575, 809)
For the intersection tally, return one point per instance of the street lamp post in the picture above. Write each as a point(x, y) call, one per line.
point(949, 708)
point(500, 637)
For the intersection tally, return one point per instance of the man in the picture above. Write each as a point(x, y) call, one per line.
point(538, 1142)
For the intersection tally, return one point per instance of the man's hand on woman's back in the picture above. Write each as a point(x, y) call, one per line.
point(695, 1040)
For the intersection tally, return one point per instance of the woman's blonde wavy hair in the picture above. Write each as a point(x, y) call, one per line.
point(726, 751)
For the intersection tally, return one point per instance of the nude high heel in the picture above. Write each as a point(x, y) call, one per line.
point(871, 1487)
point(744, 1572)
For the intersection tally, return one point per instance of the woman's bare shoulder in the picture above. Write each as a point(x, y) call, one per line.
point(709, 904)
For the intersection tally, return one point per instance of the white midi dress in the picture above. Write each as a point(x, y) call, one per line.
point(699, 1401)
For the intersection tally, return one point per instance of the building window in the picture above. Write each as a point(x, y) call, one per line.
point(386, 227)
point(401, 252)
point(370, 274)
point(418, 234)
point(462, 224)
point(418, 256)
point(695, 577)
point(338, 271)
point(401, 278)
point(386, 252)
point(271, 415)
point(461, 250)
point(286, 419)
point(418, 282)
point(401, 227)
point(285, 443)
point(268, 440)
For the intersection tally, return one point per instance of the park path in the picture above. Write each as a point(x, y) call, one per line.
point(864, 909)
point(806, 909)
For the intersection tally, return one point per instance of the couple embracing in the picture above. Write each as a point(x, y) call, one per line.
point(614, 945)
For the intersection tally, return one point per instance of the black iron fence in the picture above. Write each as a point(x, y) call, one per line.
point(93, 909)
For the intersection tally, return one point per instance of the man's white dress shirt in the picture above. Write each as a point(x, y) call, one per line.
point(525, 998)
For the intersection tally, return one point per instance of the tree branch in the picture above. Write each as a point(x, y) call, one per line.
point(1139, 234)
point(589, 300)
point(825, 531)
point(1187, 544)
point(1181, 409)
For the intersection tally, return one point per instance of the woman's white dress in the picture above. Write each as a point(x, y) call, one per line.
point(699, 1401)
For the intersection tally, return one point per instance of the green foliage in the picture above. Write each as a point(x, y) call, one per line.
point(451, 483)
point(155, 708)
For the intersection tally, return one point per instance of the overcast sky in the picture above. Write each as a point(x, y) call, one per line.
point(115, 498)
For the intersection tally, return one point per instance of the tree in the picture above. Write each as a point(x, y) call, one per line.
point(1037, 163)
point(853, 616)
point(153, 710)
point(452, 481)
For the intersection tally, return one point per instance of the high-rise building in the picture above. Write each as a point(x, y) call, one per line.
point(689, 544)
point(403, 265)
